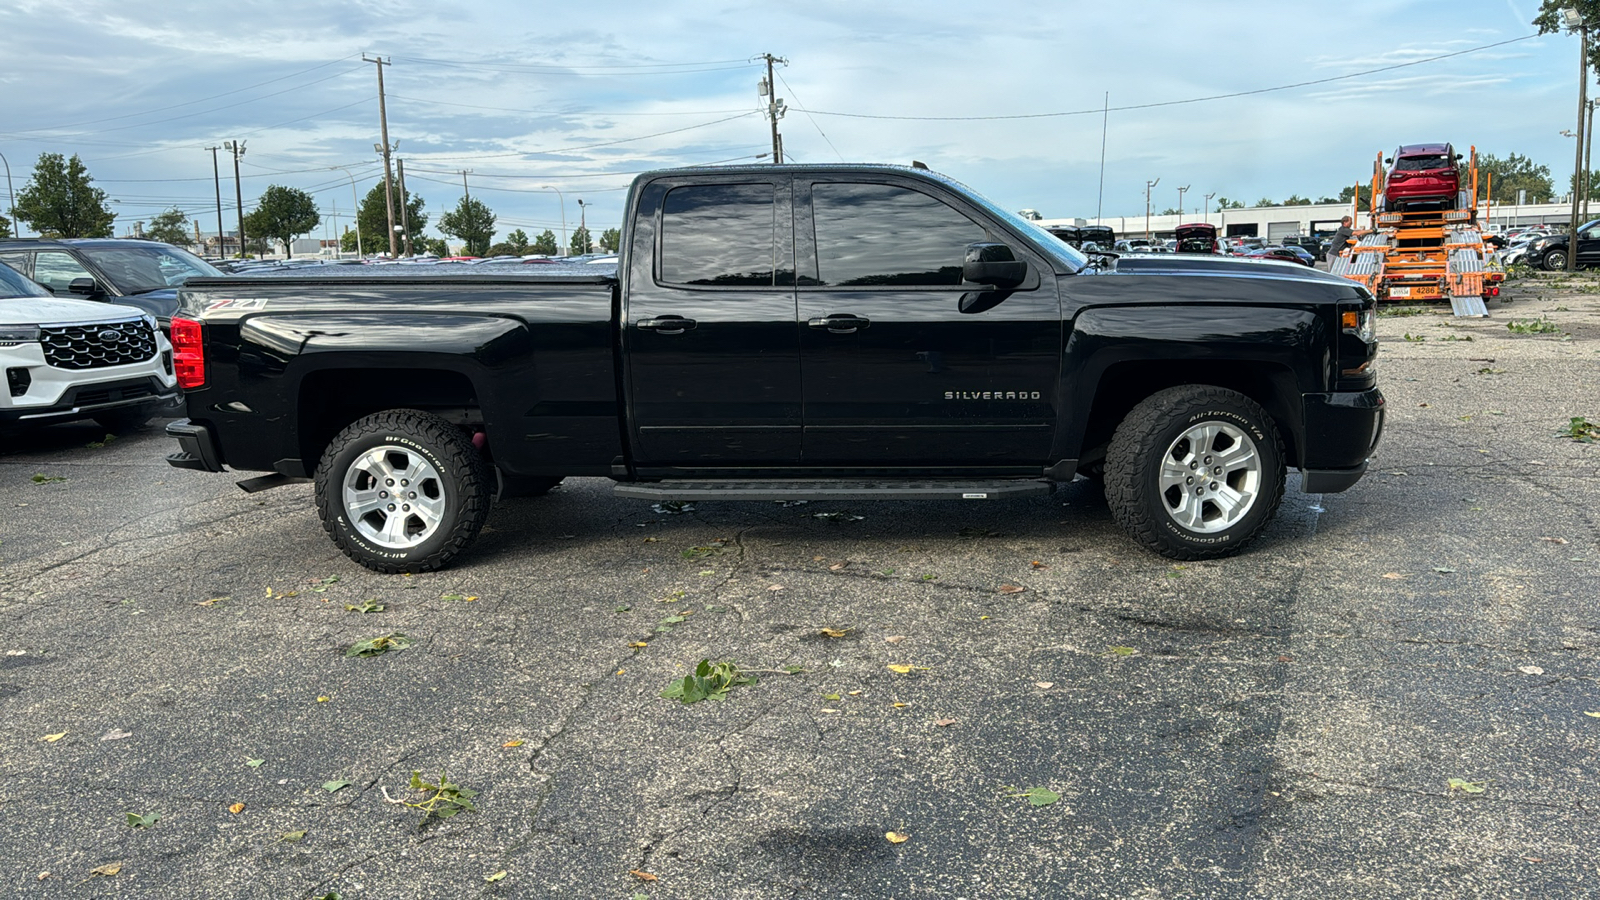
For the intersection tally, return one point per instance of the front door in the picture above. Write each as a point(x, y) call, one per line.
point(708, 330)
point(903, 365)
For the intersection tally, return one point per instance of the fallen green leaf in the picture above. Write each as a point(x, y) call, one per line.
point(1038, 796)
point(708, 682)
point(145, 821)
point(382, 644)
point(1470, 787)
point(495, 877)
point(1122, 651)
point(367, 606)
point(41, 478)
point(335, 786)
point(290, 837)
point(254, 763)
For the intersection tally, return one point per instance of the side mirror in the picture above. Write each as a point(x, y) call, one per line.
point(1388, 160)
point(993, 264)
point(1458, 157)
point(83, 287)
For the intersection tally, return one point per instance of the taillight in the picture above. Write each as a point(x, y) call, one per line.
point(188, 353)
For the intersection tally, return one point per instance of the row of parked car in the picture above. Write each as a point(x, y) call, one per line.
point(1196, 238)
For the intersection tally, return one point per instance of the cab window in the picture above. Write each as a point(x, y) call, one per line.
point(886, 235)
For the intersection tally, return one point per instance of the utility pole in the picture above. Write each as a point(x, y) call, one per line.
point(385, 148)
point(1576, 22)
point(583, 225)
point(1588, 156)
point(1105, 121)
point(237, 149)
point(216, 180)
point(1180, 203)
point(405, 211)
point(464, 190)
point(12, 211)
point(1148, 186)
point(775, 107)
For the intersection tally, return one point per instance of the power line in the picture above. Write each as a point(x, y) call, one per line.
point(565, 112)
point(810, 117)
point(557, 68)
point(1267, 90)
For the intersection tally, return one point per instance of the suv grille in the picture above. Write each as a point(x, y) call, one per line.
point(97, 346)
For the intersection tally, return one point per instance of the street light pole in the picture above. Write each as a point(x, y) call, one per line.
point(560, 251)
point(1576, 21)
point(1180, 202)
point(12, 210)
point(1148, 186)
point(1206, 207)
point(216, 182)
point(583, 225)
point(357, 201)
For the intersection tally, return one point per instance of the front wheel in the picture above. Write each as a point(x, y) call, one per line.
point(402, 491)
point(1555, 260)
point(1195, 472)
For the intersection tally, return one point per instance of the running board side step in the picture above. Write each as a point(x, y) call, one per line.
point(833, 490)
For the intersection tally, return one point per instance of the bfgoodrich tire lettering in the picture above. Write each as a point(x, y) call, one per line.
point(402, 491)
point(1195, 472)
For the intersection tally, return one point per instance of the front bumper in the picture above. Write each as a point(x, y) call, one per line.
point(197, 447)
point(1341, 429)
point(85, 400)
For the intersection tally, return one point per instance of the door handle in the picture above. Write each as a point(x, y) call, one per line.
point(840, 323)
point(667, 325)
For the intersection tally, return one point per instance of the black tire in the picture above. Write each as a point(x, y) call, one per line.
point(1554, 261)
point(118, 421)
point(1162, 506)
point(427, 465)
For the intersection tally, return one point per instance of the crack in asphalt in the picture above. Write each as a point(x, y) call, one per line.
point(1575, 806)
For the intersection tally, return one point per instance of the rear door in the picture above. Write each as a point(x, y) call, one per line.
point(895, 374)
point(708, 327)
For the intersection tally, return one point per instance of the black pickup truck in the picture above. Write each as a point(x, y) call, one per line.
point(787, 332)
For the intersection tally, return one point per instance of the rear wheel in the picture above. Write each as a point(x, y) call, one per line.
point(1555, 260)
point(402, 491)
point(1195, 472)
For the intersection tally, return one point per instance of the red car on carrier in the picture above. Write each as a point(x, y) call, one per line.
point(1422, 176)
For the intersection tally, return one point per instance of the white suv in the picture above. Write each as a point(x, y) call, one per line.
point(79, 359)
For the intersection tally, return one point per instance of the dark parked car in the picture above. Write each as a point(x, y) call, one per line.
point(1289, 254)
point(1312, 245)
point(1199, 237)
point(143, 274)
point(1550, 252)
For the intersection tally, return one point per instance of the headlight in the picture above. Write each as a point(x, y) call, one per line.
point(11, 335)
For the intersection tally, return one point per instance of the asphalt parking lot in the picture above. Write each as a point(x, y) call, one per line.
point(181, 718)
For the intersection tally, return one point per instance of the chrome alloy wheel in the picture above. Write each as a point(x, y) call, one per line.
point(394, 497)
point(1210, 477)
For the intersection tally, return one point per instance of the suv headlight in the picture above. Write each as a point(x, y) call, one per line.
point(12, 335)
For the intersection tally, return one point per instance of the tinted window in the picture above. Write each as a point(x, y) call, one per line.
point(1421, 163)
point(880, 234)
point(719, 234)
point(18, 261)
point(55, 270)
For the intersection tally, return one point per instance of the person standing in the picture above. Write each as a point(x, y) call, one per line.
point(1339, 240)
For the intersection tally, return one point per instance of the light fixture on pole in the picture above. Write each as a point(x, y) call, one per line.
point(357, 201)
point(1180, 201)
point(1575, 22)
point(237, 149)
point(560, 251)
point(583, 225)
point(1205, 207)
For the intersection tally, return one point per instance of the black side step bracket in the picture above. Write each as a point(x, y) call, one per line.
point(833, 490)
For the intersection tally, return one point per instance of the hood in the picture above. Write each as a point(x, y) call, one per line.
point(53, 311)
point(161, 303)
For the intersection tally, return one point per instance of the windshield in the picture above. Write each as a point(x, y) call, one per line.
point(12, 284)
point(135, 270)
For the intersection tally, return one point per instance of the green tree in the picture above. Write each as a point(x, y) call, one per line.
point(1265, 201)
point(61, 201)
point(283, 213)
point(168, 228)
point(546, 244)
point(1225, 203)
point(1550, 20)
point(1297, 200)
point(373, 218)
point(1512, 174)
point(472, 222)
point(610, 240)
point(1363, 196)
point(5, 228)
point(580, 242)
point(518, 242)
point(433, 245)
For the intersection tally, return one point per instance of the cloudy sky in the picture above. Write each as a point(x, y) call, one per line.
point(1006, 96)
